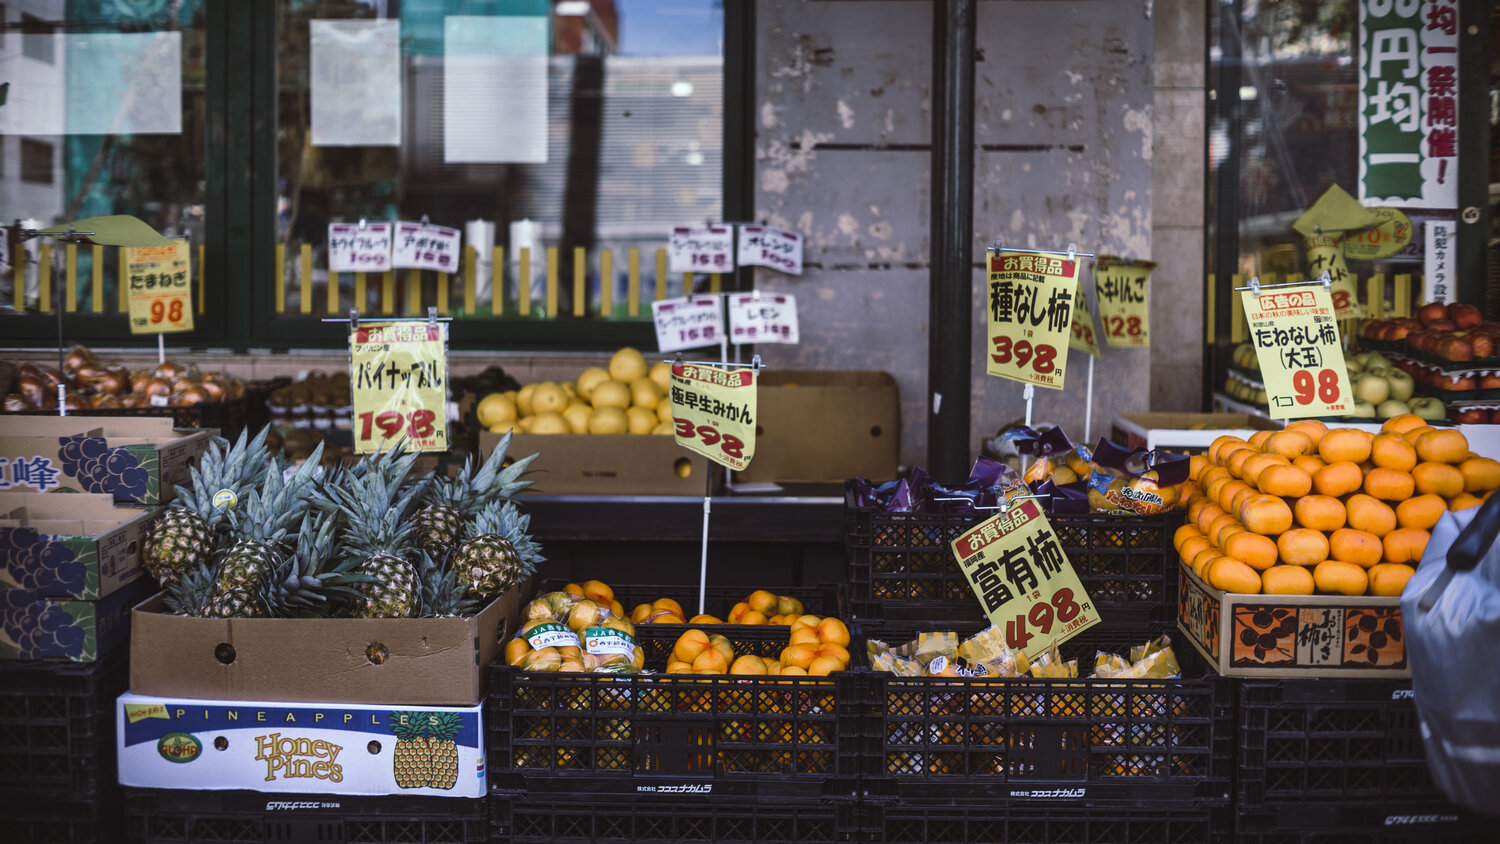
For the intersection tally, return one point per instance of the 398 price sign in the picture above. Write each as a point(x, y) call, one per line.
point(1296, 337)
point(399, 380)
point(713, 412)
point(1030, 315)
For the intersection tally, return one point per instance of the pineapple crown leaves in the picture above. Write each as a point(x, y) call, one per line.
point(443, 596)
point(505, 519)
point(375, 503)
point(223, 466)
point(312, 575)
point(507, 481)
point(269, 512)
point(191, 593)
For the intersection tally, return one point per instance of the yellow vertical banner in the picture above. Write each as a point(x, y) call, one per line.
point(443, 280)
point(202, 276)
point(70, 277)
point(18, 280)
point(44, 276)
point(333, 292)
point(715, 282)
point(388, 292)
point(159, 280)
point(606, 284)
point(1297, 342)
point(471, 271)
point(661, 275)
point(280, 277)
point(413, 291)
point(552, 294)
point(1236, 313)
point(633, 282)
point(1375, 296)
point(399, 375)
point(1210, 294)
point(122, 282)
point(1120, 288)
point(1401, 295)
point(497, 282)
point(361, 291)
point(1030, 315)
point(96, 273)
point(714, 411)
point(523, 282)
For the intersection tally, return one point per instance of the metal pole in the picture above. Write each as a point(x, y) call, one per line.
point(1474, 63)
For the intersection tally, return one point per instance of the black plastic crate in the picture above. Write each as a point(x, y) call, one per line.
point(747, 735)
point(1389, 822)
point(159, 816)
point(827, 599)
point(229, 416)
point(57, 727)
point(1326, 739)
point(901, 565)
point(55, 819)
point(1085, 741)
point(938, 823)
point(658, 818)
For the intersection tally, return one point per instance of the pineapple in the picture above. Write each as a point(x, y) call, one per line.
point(193, 591)
point(442, 765)
point(260, 525)
point(411, 759)
point(375, 504)
point(314, 573)
point(450, 503)
point(443, 596)
point(498, 553)
point(185, 534)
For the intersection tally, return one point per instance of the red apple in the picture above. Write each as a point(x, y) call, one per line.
point(1465, 382)
point(1457, 349)
point(1472, 416)
point(1443, 324)
point(1483, 345)
point(1432, 311)
point(1495, 417)
point(1465, 315)
point(1489, 382)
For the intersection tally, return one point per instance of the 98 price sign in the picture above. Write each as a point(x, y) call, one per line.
point(1296, 337)
point(159, 288)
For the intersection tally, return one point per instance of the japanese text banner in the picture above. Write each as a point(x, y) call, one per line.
point(1325, 254)
point(400, 385)
point(1023, 580)
point(1083, 338)
point(159, 288)
point(713, 411)
point(1296, 339)
point(1120, 286)
point(1030, 316)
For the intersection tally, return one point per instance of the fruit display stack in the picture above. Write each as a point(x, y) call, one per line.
point(93, 384)
point(316, 400)
point(1383, 386)
point(626, 397)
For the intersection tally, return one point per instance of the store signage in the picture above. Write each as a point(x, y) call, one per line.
point(1120, 286)
point(359, 247)
point(159, 288)
point(423, 246)
point(1030, 314)
point(1296, 339)
point(1438, 271)
point(400, 385)
point(763, 246)
point(713, 412)
point(1083, 338)
point(709, 249)
point(1408, 103)
point(688, 322)
point(1382, 241)
point(1325, 254)
point(1024, 581)
point(762, 318)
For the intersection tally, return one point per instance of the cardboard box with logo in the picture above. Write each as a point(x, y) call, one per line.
point(70, 545)
point(825, 426)
point(34, 626)
point(135, 460)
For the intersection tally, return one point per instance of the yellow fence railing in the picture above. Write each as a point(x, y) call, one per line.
point(77, 297)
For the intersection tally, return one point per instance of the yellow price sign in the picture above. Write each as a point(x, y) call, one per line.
point(399, 372)
point(1325, 253)
point(1082, 338)
point(1120, 287)
point(713, 411)
point(1024, 581)
point(1382, 241)
point(159, 288)
point(1296, 339)
point(1030, 316)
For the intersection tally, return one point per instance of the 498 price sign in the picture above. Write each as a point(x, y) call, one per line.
point(399, 373)
point(1023, 579)
point(1296, 339)
point(713, 412)
point(1030, 314)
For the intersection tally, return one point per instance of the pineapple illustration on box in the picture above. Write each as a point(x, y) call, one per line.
point(426, 752)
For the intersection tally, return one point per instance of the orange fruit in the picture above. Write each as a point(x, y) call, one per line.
point(1258, 439)
point(1191, 547)
point(1338, 479)
point(1232, 575)
point(1389, 484)
point(1370, 515)
point(831, 631)
point(1444, 445)
point(1463, 501)
point(515, 649)
point(1195, 506)
point(1206, 517)
point(800, 655)
point(1227, 490)
point(1237, 460)
point(1405, 545)
point(809, 635)
point(1184, 533)
point(753, 617)
point(1239, 498)
point(1215, 486)
point(689, 645)
point(1312, 428)
point(1253, 466)
point(1416, 433)
point(705, 619)
point(1422, 511)
point(1228, 526)
point(1266, 515)
point(1481, 474)
point(748, 664)
point(1402, 423)
point(1302, 547)
point(824, 665)
point(762, 601)
point(1228, 451)
point(1388, 580)
point(1287, 580)
point(1309, 463)
point(670, 606)
point(598, 592)
point(1285, 481)
point(1345, 445)
point(737, 612)
point(1187, 489)
point(1340, 578)
point(1390, 451)
point(711, 661)
point(1256, 551)
point(1442, 479)
point(1355, 546)
point(1320, 512)
point(1289, 443)
point(1218, 445)
point(1197, 465)
point(1203, 559)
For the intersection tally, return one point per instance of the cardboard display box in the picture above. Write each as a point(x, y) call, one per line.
point(33, 626)
point(379, 661)
point(605, 464)
point(1184, 432)
point(825, 426)
point(1292, 635)
point(299, 748)
point(136, 460)
point(75, 546)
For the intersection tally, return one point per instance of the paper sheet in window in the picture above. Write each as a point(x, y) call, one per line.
point(356, 82)
point(105, 83)
point(495, 90)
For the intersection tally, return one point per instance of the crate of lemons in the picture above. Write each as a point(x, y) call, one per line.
point(627, 397)
point(1313, 509)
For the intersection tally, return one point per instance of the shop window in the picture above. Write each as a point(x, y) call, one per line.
point(36, 162)
point(37, 39)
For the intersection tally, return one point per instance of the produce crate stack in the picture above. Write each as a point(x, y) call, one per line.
point(189, 817)
point(548, 819)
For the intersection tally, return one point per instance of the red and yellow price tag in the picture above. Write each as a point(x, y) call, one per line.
point(1296, 339)
point(1024, 581)
point(1120, 286)
point(1083, 338)
point(713, 411)
point(159, 291)
point(1325, 253)
point(1030, 316)
point(399, 372)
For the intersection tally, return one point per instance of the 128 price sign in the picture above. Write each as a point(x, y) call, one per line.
point(399, 375)
point(713, 412)
point(1024, 581)
point(1030, 314)
point(159, 292)
point(1296, 337)
point(1120, 286)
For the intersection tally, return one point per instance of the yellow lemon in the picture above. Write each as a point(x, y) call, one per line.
point(578, 415)
point(609, 420)
point(640, 420)
point(524, 423)
point(664, 410)
point(570, 388)
point(627, 365)
point(645, 393)
point(611, 394)
point(550, 422)
point(663, 428)
point(523, 400)
point(506, 427)
point(589, 379)
point(548, 397)
point(661, 373)
point(494, 409)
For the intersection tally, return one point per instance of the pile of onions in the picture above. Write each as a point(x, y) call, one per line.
point(95, 385)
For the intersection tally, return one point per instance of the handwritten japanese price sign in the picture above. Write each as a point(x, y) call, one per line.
point(1120, 285)
point(355, 248)
point(688, 322)
point(400, 385)
point(1083, 338)
point(763, 246)
point(714, 410)
point(755, 318)
point(1023, 579)
point(1325, 253)
point(1030, 315)
point(1296, 339)
point(160, 288)
point(709, 249)
point(423, 246)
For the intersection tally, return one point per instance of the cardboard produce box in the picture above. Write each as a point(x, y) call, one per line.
point(1184, 432)
point(825, 426)
point(378, 661)
point(76, 546)
point(34, 626)
point(1292, 635)
point(136, 460)
point(605, 464)
point(299, 748)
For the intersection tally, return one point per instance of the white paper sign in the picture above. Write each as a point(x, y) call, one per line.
point(688, 322)
point(356, 82)
point(709, 249)
point(760, 318)
point(763, 246)
point(495, 89)
point(1437, 259)
point(356, 248)
point(424, 246)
